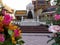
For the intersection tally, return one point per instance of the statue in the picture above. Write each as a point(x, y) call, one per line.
point(30, 16)
point(30, 11)
point(53, 2)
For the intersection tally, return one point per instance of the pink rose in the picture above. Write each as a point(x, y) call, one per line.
point(57, 17)
point(7, 19)
point(2, 39)
point(54, 28)
point(16, 33)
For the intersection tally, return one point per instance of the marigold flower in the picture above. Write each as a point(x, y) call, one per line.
point(1, 18)
point(13, 40)
point(12, 27)
point(1, 25)
point(15, 27)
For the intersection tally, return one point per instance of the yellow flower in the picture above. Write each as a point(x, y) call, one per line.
point(15, 27)
point(13, 40)
point(1, 18)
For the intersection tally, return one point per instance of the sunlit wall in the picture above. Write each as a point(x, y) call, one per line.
point(17, 4)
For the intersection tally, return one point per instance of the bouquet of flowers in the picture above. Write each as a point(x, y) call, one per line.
point(10, 34)
point(55, 28)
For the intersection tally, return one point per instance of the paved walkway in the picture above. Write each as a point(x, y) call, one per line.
point(36, 38)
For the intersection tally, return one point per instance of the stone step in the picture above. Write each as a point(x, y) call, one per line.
point(28, 22)
point(34, 29)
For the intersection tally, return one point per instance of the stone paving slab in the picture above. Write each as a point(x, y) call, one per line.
point(36, 38)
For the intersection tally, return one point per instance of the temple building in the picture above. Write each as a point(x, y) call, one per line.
point(38, 4)
point(38, 12)
point(43, 9)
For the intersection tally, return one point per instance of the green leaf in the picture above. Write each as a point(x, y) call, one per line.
point(18, 38)
point(58, 10)
point(8, 42)
point(58, 1)
point(58, 33)
point(1, 43)
point(57, 39)
point(21, 42)
point(10, 32)
point(50, 40)
point(55, 43)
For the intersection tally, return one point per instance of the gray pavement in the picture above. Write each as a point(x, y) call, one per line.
point(36, 38)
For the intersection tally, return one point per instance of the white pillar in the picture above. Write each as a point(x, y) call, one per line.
point(27, 12)
point(22, 18)
point(32, 13)
point(37, 18)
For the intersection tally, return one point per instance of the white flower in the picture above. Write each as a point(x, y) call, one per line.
point(54, 28)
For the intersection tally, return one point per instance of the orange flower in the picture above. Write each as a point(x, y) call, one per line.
point(1, 29)
point(20, 32)
point(1, 25)
point(12, 27)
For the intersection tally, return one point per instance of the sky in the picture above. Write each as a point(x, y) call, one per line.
point(17, 4)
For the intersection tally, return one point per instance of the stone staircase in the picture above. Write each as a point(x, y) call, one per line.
point(35, 29)
point(29, 22)
point(32, 26)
